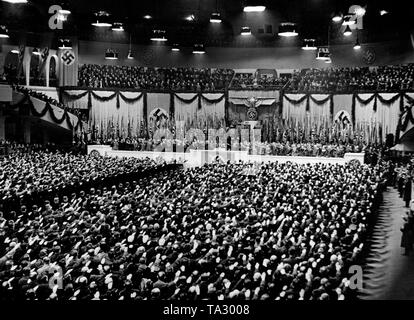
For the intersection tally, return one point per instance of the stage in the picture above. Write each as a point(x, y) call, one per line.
point(196, 158)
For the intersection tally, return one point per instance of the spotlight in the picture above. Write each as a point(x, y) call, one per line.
point(337, 17)
point(287, 30)
point(158, 35)
point(15, 1)
point(250, 8)
point(323, 54)
point(215, 18)
point(118, 27)
point(199, 49)
point(175, 48)
point(383, 12)
point(147, 17)
point(64, 44)
point(348, 31)
point(309, 45)
point(357, 45)
point(111, 55)
point(246, 31)
point(65, 12)
point(36, 52)
point(15, 51)
point(190, 18)
point(102, 20)
point(4, 33)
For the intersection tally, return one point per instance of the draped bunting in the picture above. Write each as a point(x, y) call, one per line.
point(212, 112)
point(77, 99)
point(130, 110)
point(104, 115)
point(295, 106)
point(131, 114)
point(320, 108)
point(185, 108)
point(125, 97)
point(47, 112)
point(388, 112)
point(364, 107)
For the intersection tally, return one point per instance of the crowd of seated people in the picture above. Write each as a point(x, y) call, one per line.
point(177, 79)
point(268, 81)
point(383, 78)
point(221, 231)
point(244, 80)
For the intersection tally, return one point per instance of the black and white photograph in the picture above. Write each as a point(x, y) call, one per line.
point(204, 158)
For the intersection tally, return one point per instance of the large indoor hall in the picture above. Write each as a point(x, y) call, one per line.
point(206, 158)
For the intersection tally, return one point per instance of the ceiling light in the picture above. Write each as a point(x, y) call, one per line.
point(360, 11)
point(15, 51)
point(287, 30)
point(64, 44)
point(337, 17)
point(36, 52)
point(215, 18)
point(175, 48)
point(323, 54)
point(15, 1)
point(199, 49)
point(348, 31)
point(246, 31)
point(254, 8)
point(130, 55)
point(147, 17)
point(357, 45)
point(63, 14)
point(4, 33)
point(348, 21)
point(102, 19)
point(118, 27)
point(111, 55)
point(191, 17)
point(65, 11)
point(383, 12)
point(309, 45)
point(158, 35)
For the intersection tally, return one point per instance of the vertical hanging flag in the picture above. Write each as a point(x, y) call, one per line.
point(22, 50)
point(44, 56)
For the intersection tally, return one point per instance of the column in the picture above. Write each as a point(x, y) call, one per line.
point(2, 127)
point(26, 130)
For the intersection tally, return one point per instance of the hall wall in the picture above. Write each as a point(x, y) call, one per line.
point(249, 58)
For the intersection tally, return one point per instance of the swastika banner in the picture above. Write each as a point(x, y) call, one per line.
point(68, 57)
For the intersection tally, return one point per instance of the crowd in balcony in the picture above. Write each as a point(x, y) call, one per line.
point(383, 78)
point(176, 79)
